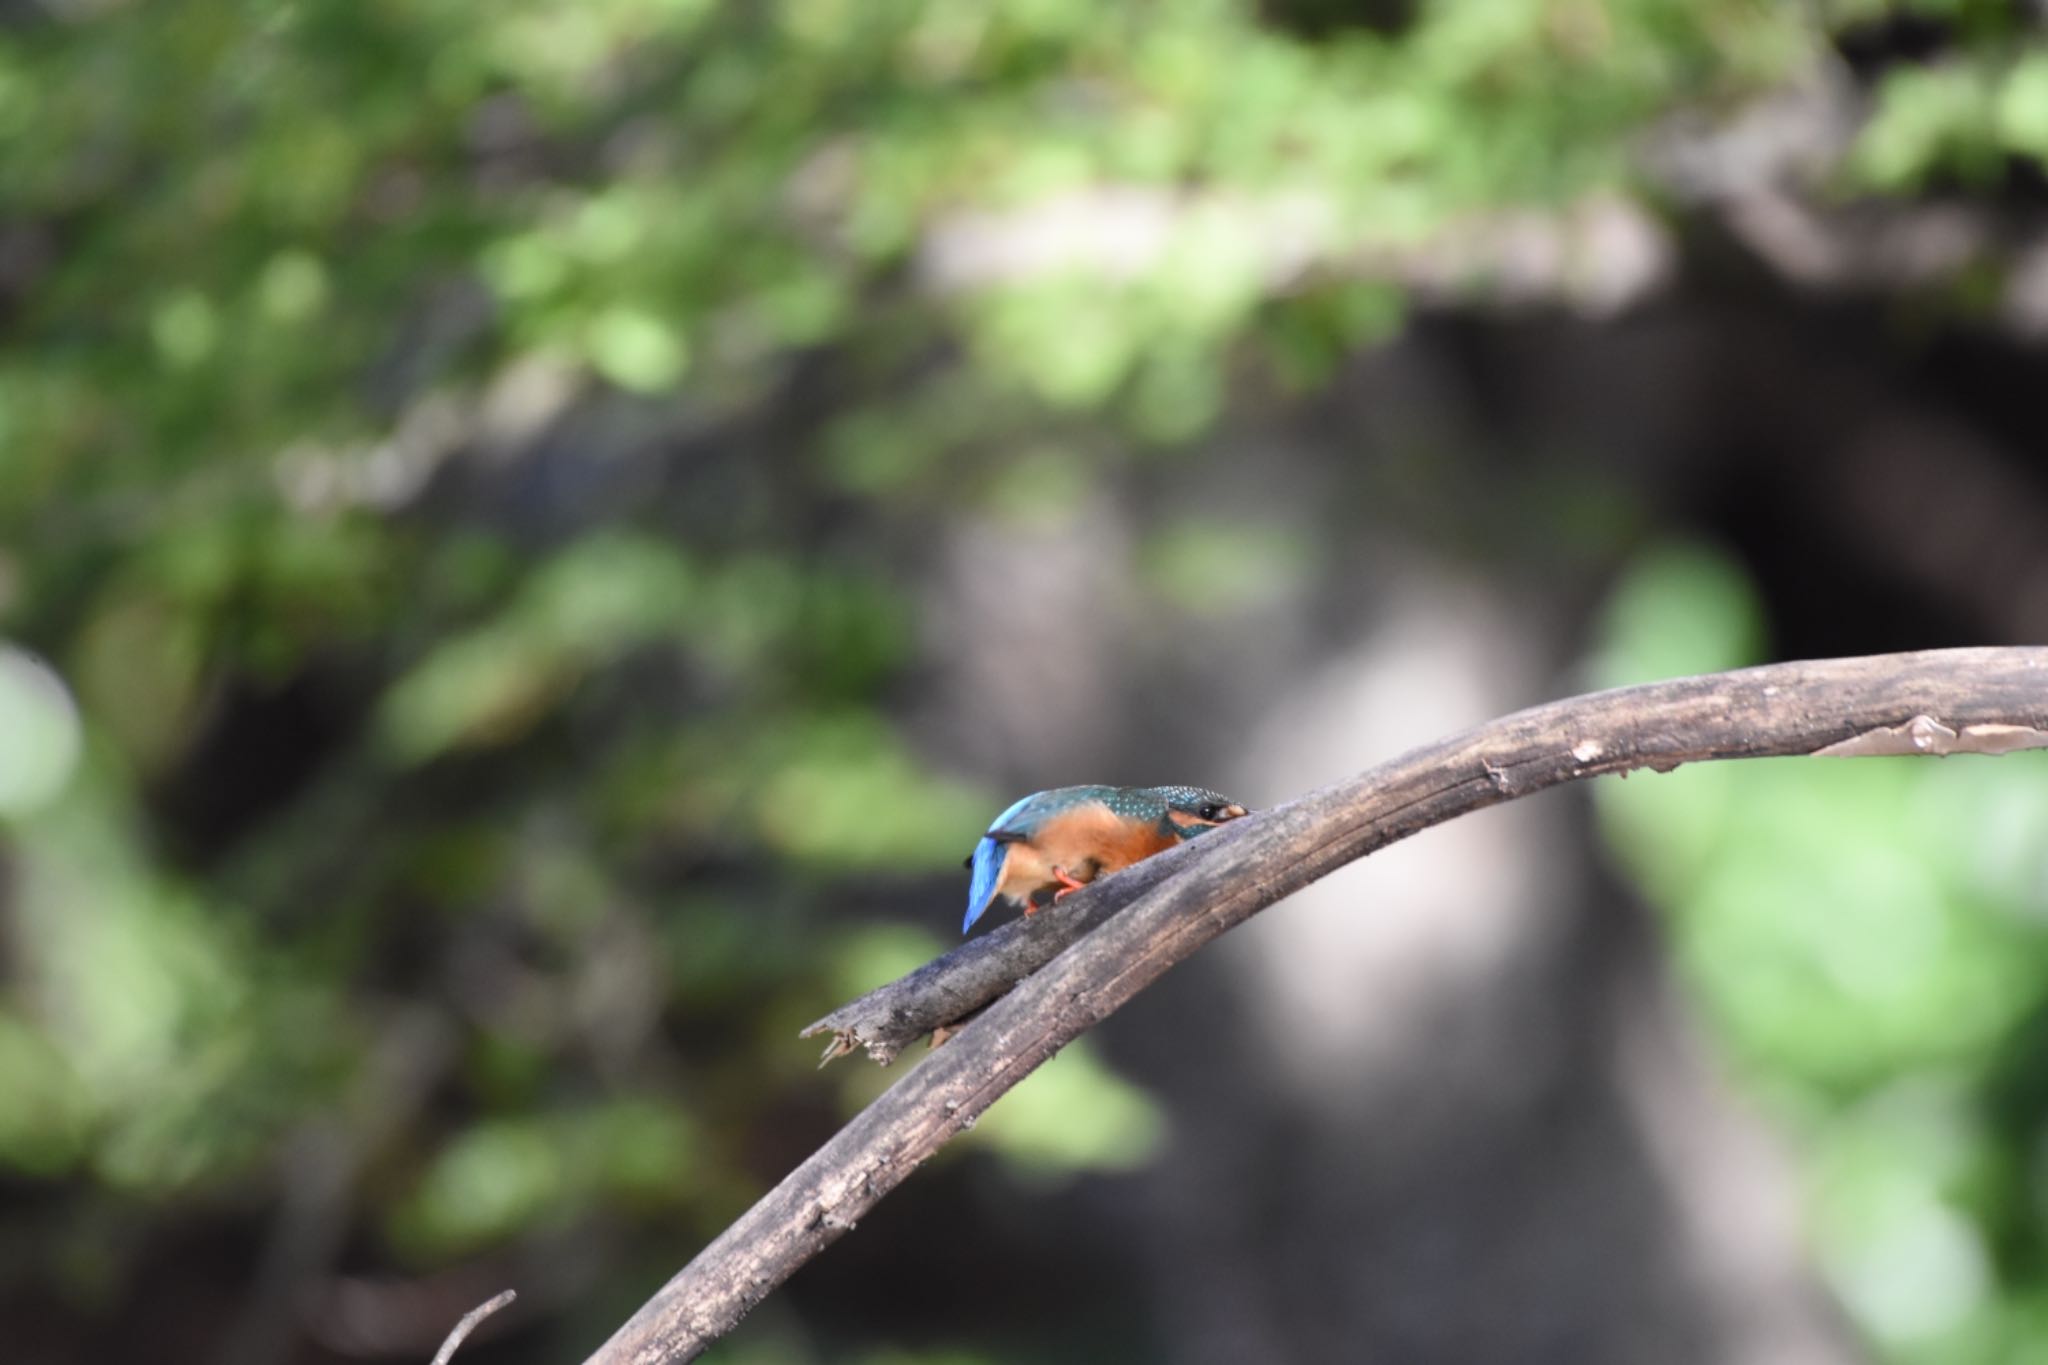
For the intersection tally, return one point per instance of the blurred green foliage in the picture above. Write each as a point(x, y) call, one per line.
point(282, 222)
point(577, 767)
point(1867, 938)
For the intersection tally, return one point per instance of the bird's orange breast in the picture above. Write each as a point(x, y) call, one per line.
point(1088, 841)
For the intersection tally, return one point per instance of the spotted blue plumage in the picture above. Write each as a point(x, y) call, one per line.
point(987, 863)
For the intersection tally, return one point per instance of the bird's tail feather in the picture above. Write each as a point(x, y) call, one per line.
point(989, 857)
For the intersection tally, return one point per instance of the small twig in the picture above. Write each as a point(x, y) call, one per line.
point(469, 1322)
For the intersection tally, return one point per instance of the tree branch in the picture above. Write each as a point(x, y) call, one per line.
point(952, 987)
point(1937, 702)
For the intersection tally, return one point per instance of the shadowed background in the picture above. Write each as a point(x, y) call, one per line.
point(533, 538)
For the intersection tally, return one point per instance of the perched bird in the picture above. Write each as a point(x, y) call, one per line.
point(1058, 841)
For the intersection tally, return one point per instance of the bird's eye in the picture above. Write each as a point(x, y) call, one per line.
point(1213, 811)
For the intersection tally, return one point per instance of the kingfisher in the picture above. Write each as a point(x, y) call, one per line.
point(1053, 843)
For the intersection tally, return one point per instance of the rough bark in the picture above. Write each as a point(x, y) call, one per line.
point(1937, 702)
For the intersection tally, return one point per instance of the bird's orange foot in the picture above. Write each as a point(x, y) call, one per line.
point(1068, 885)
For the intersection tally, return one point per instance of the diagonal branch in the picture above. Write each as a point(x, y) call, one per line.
point(453, 1342)
point(1936, 702)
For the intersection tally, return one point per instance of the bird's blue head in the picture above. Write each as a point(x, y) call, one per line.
point(1190, 810)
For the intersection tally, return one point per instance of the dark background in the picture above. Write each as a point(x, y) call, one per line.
point(532, 539)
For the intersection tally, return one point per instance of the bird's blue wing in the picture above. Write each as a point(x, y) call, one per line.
point(1009, 822)
point(989, 857)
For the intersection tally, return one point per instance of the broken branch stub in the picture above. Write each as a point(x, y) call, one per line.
point(953, 987)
